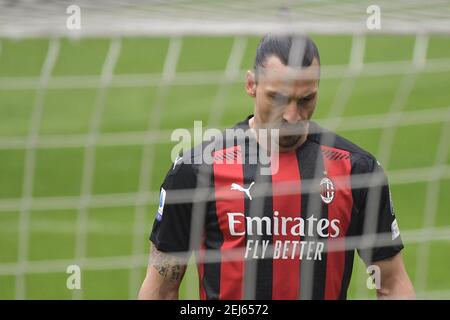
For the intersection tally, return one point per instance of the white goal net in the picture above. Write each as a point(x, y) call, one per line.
point(90, 93)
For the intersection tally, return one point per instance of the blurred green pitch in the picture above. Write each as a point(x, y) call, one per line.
point(68, 111)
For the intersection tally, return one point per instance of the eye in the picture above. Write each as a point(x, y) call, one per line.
point(271, 95)
point(305, 100)
point(280, 100)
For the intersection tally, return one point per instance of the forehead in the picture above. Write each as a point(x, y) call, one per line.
point(278, 76)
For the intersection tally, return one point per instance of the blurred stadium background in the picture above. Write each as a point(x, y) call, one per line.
point(86, 117)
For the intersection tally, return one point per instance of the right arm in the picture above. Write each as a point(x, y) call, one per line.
point(164, 275)
point(170, 233)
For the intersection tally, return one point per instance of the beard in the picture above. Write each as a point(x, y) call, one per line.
point(288, 141)
point(290, 134)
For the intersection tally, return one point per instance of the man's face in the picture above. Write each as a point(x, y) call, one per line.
point(285, 99)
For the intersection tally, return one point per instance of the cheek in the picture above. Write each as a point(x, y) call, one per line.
point(263, 106)
point(306, 113)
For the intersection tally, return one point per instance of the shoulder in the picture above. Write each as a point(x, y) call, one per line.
point(191, 163)
point(182, 172)
point(199, 158)
point(361, 160)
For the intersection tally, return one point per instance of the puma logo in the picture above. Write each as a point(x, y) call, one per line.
point(235, 186)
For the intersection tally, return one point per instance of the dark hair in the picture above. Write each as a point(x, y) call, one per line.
point(281, 45)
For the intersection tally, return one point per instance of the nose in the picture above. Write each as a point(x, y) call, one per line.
point(291, 113)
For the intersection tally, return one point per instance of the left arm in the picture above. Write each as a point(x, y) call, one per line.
point(395, 283)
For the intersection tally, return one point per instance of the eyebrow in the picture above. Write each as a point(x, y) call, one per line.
point(272, 92)
point(311, 94)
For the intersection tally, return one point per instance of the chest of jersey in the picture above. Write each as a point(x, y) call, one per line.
point(295, 201)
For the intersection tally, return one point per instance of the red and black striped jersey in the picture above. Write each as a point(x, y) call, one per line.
point(288, 233)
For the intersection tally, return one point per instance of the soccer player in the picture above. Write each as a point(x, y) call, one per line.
point(289, 234)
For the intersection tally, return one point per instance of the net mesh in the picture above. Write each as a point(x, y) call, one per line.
point(64, 211)
point(107, 18)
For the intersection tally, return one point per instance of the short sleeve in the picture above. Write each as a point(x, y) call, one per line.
point(172, 225)
point(376, 214)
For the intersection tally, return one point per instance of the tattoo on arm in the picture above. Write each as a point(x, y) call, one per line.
point(176, 273)
point(169, 267)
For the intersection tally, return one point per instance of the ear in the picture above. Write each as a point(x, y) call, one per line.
point(250, 84)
